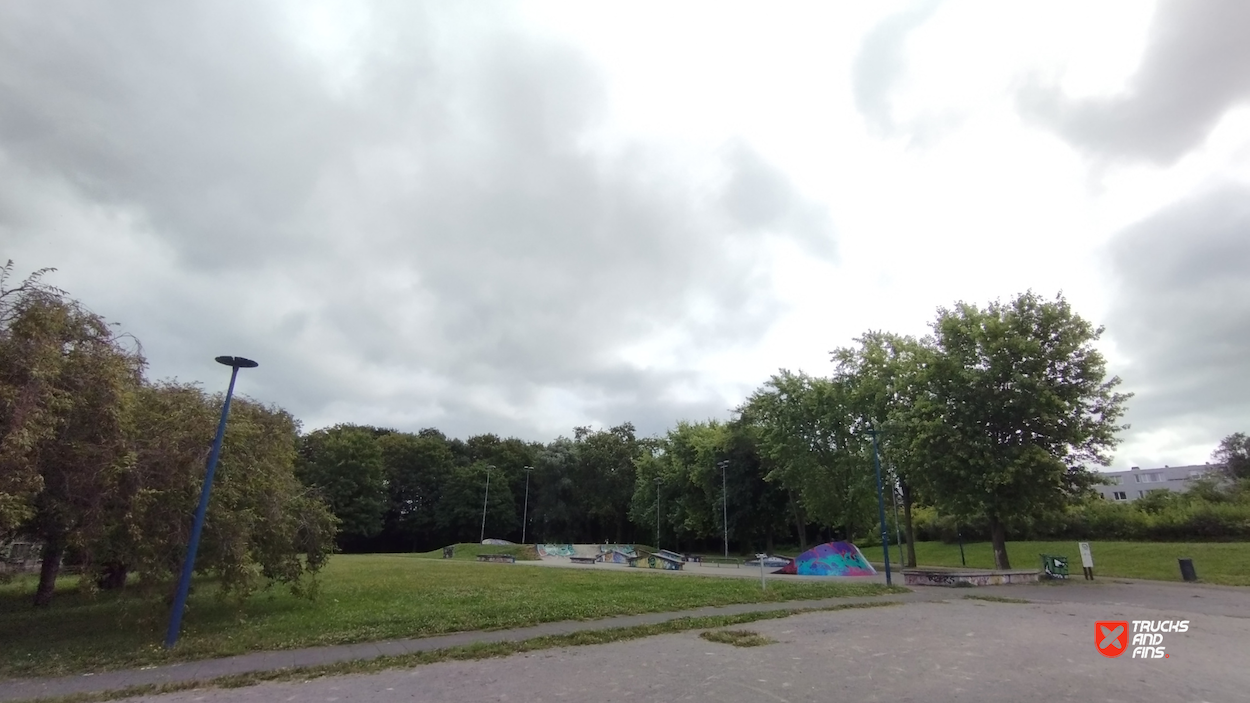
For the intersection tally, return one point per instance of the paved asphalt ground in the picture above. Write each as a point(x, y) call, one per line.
point(939, 646)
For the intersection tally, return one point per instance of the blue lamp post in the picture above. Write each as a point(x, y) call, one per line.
point(885, 535)
point(188, 566)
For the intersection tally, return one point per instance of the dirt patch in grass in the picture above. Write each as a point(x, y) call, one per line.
point(737, 638)
point(996, 599)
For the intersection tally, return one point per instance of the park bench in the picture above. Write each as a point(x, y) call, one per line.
point(497, 558)
point(583, 560)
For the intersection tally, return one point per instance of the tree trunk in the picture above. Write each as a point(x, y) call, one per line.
point(911, 536)
point(113, 576)
point(51, 568)
point(798, 523)
point(998, 536)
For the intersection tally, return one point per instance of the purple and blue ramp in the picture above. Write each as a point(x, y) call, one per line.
point(831, 559)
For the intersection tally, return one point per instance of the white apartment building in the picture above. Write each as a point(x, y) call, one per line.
point(1137, 482)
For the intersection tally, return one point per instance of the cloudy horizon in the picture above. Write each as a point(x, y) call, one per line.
point(520, 218)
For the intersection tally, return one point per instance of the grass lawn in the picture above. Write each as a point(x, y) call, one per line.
point(1225, 563)
point(363, 598)
point(469, 551)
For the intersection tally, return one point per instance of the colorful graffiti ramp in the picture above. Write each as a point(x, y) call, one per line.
point(832, 559)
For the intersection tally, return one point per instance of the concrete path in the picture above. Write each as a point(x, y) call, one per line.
point(18, 689)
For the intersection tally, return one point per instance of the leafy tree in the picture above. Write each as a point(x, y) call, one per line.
point(553, 493)
point(885, 376)
point(118, 463)
point(807, 431)
point(67, 377)
point(345, 464)
point(1016, 403)
point(459, 510)
point(757, 508)
point(417, 467)
point(605, 475)
point(1233, 456)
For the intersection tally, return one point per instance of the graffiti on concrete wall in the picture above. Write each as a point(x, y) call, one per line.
point(555, 550)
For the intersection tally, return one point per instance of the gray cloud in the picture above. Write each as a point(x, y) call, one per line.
point(428, 241)
point(1182, 314)
point(1196, 66)
point(881, 63)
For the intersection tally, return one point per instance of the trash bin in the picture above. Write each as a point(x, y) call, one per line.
point(1055, 567)
point(1187, 570)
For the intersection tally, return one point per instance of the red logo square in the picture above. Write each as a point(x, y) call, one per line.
point(1111, 637)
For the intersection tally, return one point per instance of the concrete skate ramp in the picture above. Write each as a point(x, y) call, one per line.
point(562, 552)
point(555, 551)
point(831, 559)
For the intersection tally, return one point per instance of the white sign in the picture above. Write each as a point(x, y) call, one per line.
point(1087, 559)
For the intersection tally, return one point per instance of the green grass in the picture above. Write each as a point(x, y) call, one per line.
point(363, 598)
point(737, 638)
point(469, 551)
point(462, 653)
point(1225, 563)
point(996, 599)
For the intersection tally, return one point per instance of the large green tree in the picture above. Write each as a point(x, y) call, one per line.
point(345, 463)
point(65, 378)
point(1233, 456)
point(884, 374)
point(808, 433)
point(1016, 405)
point(262, 524)
point(417, 468)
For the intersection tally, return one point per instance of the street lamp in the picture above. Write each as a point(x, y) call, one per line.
point(657, 512)
point(526, 514)
point(885, 535)
point(188, 566)
point(724, 502)
point(484, 499)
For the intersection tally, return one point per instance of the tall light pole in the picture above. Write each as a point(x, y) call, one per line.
point(724, 503)
point(526, 514)
point(484, 499)
point(898, 526)
point(188, 566)
point(657, 512)
point(885, 535)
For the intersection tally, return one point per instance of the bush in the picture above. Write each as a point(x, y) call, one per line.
point(1206, 512)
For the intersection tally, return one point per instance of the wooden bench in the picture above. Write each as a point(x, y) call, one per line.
point(583, 560)
point(497, 558)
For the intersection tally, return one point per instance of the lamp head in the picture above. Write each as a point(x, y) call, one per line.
point(237, 362)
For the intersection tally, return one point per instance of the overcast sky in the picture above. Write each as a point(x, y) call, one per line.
point(521, 218)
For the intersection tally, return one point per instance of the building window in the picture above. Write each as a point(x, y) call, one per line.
point(1195, 474)
point(1141, 494)
point(1138, 477)
point(1117, 480)
point(1120, 495)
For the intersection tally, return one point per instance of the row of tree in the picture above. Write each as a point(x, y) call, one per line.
point(104, 467)
point(397, 491)
point(998, 415)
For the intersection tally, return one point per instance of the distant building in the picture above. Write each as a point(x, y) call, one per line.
point(1137, 482)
